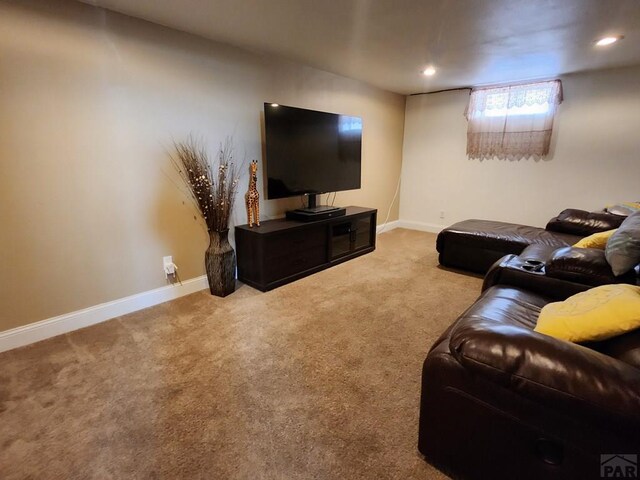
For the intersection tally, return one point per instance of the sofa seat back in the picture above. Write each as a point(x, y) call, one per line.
point(501, 401)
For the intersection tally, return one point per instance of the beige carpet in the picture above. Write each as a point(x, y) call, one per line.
point(319, 379)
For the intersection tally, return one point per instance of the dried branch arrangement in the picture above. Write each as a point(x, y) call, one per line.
point(213, 186)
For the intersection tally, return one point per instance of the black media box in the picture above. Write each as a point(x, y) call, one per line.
point(306, 216)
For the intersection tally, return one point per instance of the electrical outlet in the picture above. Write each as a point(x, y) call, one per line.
point(168, 266)
point(441, 213)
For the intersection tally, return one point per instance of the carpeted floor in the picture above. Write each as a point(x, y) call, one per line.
point(319, 379)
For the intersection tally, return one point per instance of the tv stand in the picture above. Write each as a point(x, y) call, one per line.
point(284, 250)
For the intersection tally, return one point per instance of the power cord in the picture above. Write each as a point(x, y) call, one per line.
point(395, 195)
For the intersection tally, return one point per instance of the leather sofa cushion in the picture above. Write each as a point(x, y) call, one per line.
point(508, 272)
point(584, 265)
point(583, 223)
point(502, 236)
point(539, 252)
point(494, 338)
point(625, 348)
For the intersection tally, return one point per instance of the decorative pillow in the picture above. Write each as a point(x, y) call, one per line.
point(623, 247)
point(597, 314)
point(597, 240)
point(625, 209)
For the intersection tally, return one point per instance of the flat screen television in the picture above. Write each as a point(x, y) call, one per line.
point(310, 152)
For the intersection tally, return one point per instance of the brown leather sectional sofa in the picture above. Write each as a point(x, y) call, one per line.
point(557, 273)
point(500, 401)
point(474, 245)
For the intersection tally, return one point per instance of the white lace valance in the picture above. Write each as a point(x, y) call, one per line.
point(512, 122)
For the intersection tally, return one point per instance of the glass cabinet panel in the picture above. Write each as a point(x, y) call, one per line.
point(350, 236)
point(362, 228)
point(340, 239)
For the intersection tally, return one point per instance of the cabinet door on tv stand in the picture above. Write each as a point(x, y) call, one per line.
point(364, 236)
point(288, 253)
point(351, 236)
point(340, 234)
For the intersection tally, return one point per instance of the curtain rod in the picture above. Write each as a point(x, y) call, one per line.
point(499, 85)
point(440, 91)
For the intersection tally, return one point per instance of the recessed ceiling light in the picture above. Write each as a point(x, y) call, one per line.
point(430, 70)
point(603, 42)
point(275, 104)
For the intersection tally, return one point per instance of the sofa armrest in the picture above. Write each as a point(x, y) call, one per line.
point(584, 265)
point(561, 374)
point(581, 222)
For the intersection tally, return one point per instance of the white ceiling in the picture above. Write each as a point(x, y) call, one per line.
point(387, 42)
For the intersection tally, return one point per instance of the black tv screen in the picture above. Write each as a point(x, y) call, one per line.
point(310, 152)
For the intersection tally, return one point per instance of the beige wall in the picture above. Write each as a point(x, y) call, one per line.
point(89, 103)
point(595, 157)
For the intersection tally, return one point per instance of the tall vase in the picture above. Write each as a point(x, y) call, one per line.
point(220, 263)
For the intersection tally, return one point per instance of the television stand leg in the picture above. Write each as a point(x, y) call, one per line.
point(312, 201)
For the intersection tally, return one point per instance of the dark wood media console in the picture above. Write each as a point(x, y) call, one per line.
point(281, 251)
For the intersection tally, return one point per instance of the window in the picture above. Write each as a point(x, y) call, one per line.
point(512, 122)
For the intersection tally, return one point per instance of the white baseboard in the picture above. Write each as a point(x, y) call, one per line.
point(386, 227)
point(411, 225)
point(422, 226)
point(51, 327)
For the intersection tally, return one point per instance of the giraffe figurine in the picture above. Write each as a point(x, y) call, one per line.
point(252, 197)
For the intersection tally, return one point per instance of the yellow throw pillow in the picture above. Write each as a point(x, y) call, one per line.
point(597, 240)
point(600, 313)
